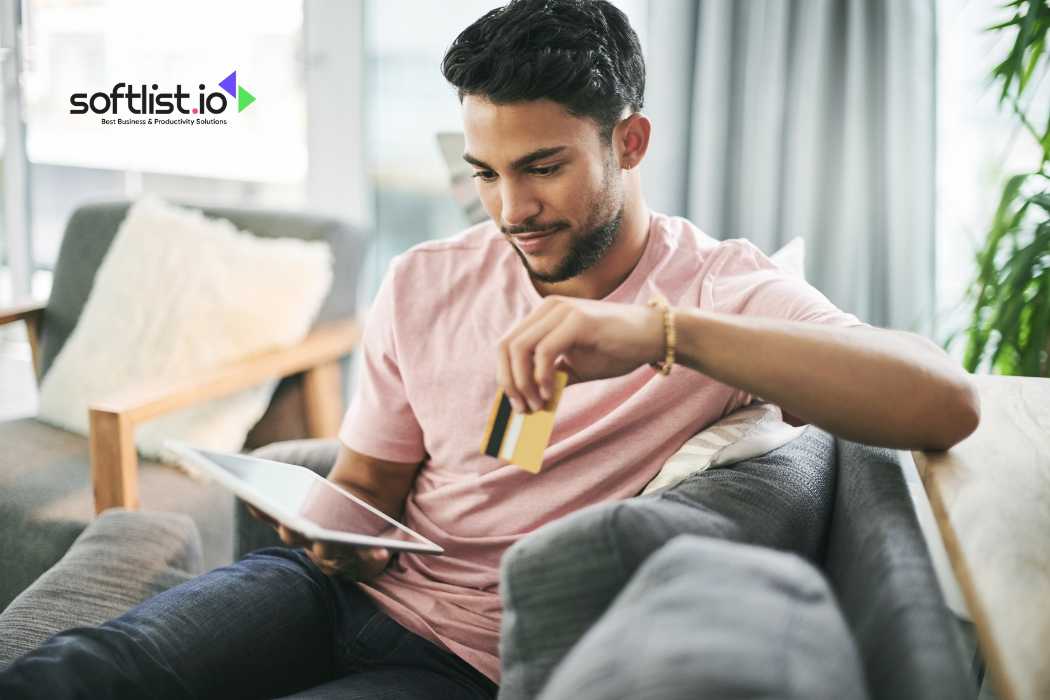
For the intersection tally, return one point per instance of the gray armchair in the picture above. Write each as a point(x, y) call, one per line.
point(52, 482)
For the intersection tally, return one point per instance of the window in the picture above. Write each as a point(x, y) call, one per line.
point(91, 46)
point(979, 145)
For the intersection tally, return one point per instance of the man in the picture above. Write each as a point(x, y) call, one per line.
point(561, 277)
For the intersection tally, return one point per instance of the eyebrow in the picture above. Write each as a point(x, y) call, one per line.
point(525, 160)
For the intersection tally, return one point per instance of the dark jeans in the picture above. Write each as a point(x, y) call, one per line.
point(268, 626)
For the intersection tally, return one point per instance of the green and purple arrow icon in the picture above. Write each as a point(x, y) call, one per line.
point(244, 98)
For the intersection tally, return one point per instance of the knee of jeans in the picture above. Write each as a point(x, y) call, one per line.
point(293, 566)
point(282, 556)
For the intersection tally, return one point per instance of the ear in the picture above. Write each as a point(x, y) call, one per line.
point(631, 138)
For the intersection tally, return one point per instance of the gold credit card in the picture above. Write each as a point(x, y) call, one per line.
point(521, 438)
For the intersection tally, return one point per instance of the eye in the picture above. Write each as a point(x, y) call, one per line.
point(546, 170)
point(484, 175)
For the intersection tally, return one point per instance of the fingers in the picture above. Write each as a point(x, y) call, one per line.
point(509, 348)
point(548, 351)
point(356, 563)
point(524, 363)
point(292, 538)
point(527, 379)
point(259, 515)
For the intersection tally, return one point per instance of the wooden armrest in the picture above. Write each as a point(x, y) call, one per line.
point(988, 495)
point(21, 312)
point(32, 313)
point(323, 345)
point(114, 463)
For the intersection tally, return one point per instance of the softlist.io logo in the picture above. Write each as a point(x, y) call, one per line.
point(150, 106)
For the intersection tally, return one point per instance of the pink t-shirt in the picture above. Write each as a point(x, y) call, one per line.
point(427, 379)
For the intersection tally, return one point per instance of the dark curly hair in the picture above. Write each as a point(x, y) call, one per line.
point(582, 54)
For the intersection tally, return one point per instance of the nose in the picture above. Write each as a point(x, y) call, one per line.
point(518, 204)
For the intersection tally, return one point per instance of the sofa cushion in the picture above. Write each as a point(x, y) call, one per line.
point(46, 501)
point(747, 432)
point(92, 227)
point(90, 232)
point(178, 295)
point(120, 560)
point(705, 618)
point(557, 581)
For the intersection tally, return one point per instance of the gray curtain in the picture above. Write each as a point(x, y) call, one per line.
point(813, 118)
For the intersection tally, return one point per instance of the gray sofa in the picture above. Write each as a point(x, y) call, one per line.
point(828, 519)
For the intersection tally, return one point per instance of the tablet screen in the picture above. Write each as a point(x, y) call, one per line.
point(299, 491)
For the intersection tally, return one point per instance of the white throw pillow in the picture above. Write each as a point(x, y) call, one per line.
point(792, 257)
point(178, 294)
point(747, 432)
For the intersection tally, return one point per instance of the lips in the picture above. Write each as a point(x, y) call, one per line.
point(532, 236)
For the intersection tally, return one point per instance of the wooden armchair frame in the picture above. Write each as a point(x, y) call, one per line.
point(114, 461)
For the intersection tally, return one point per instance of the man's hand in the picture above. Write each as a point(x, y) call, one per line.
point(345, 561)
point(586, 338)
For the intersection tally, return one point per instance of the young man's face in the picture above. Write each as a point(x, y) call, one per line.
point(540, 169)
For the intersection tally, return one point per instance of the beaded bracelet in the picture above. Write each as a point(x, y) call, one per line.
point(670, 337)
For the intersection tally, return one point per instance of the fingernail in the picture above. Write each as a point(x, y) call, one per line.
point(516, 405)
point(545, 393)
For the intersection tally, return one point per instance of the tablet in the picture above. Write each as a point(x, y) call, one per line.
point(303, 501)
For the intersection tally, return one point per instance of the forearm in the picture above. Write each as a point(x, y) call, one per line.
point(383, 484)
point(874, 386)
point(386, 500)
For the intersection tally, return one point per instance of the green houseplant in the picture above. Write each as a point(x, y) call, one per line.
point(1009, 328)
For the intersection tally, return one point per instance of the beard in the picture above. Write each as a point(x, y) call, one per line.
point(589, 248)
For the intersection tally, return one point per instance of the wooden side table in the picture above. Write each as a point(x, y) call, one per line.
point(990, 495)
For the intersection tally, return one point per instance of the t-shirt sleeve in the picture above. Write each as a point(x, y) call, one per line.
point(380, 421)
point(745, 281)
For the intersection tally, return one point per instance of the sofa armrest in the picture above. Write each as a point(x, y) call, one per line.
point(316, 455)
point(988, 495)
point(120, 560)
point(32, 313)
point(881, 571)
point(114, 462)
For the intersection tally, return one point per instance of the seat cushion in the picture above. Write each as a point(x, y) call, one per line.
point(46, 501)
point(120, 560)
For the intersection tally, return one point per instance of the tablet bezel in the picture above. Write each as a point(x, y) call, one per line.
point(193, 458)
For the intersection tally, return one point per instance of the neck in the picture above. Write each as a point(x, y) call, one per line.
point(600, 280)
